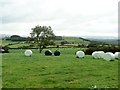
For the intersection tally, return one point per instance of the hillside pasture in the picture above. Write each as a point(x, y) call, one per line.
point(64, 71)
point(6, 42)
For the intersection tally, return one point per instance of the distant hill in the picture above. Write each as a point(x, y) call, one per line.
point(106, 41)
point(100, 37)
point(103, 39)
point(8, 35)
point(4, 35)
point(79, 40)
point(76, 40)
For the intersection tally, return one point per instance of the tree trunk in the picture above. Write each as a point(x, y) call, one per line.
point(40, 49)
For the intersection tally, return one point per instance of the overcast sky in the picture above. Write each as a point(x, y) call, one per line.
point(66, 17)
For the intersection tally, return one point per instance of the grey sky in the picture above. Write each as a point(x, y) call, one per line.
point(66, 17)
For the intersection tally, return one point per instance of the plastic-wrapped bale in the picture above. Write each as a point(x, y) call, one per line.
point(48, 52)
point(117, 55)
point(28, 53)
point(101, 54)
point(98, 54)
point(2, 50)
point(57, 53)
point(95, 54)
point(80, 54)
point(109, 56)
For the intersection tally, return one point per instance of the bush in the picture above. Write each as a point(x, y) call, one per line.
point(108, 48)
point(57, 46)
point(24, 47)
point(65, 42)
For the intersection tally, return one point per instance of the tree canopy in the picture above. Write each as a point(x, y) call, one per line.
point(43, 36)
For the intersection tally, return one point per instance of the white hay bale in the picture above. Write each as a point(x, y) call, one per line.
point(117, 55)
point(80, 54)
point(109, 56)
point(2, 50)
point(98, 54)
point(113, 55)
point(94, 54)
point(101, 53)
point(28, 53)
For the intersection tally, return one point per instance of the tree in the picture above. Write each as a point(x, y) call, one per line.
point(43, 36)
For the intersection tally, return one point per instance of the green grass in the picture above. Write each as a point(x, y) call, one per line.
point(6, 42)
point(65, 71)
point(76, 40)
point(15, 43)
point(18, 45)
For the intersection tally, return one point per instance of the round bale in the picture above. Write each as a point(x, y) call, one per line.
point(48, 52)
point(109, 56)
point(101, 53)
point(117, 55)
point(80, 54)
point(98, 54)
point(57, 53)
point(28, 53)
point(95, 54)
point(2, 50)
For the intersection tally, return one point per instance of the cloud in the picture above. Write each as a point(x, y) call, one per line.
point(67, 17)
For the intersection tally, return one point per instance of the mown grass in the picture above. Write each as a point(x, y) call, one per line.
point(65, 71)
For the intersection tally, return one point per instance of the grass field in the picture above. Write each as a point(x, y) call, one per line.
point(76, 40)
point(65, 71)
point(6, 42)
